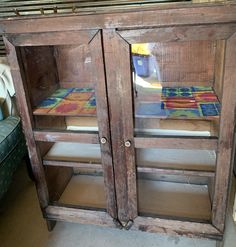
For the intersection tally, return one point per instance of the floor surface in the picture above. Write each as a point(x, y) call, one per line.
point(22, 225)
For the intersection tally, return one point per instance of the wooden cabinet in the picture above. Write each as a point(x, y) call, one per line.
point(129, 114)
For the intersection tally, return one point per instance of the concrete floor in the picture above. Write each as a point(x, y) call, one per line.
point(22, 225)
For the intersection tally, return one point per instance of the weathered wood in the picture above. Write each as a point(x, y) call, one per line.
point(226, 136)
point(200, 143)
point(176, 228)
point(67, 136)
point(177, 34)
point(195, 173)
point(55, 38)
point(40, 71)
point(78, 216)
point(34, 155)
point(98, 72)
point(153, 16)
point(72, 164)
point(118, 75)
point(219, 67)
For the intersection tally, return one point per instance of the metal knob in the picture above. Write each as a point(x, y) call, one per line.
point(103, 140)
point(128, 144)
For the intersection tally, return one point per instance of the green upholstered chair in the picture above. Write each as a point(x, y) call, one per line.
point(12, 143)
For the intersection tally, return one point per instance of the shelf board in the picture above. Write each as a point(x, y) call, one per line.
point(176, 200)
point(85, 190)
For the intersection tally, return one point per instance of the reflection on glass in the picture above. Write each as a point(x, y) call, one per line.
point(169, 88)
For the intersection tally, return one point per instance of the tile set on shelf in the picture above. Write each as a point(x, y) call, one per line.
point(69, 101)
point(182, 102)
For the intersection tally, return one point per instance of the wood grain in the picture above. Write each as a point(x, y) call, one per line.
point(226, 137)
point(57, 136)
point(118, 75)
point(34, 155)
point(176, 228)
point(176, 143)
point(179, 34)
point(152, 16)
point(53, 38)
point(98, 73)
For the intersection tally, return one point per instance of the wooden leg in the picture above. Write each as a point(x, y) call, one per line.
point(51, 224)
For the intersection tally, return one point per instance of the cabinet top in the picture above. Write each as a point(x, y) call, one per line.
point(58, 15)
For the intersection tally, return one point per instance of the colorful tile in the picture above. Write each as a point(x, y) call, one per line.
point(179, 105)
point(46, 105)
point(61, 92)
point(201, 88)
point(68, 107)
point(83, 90)
point(209, 110)
point(79, 96)
point(183, 113)
point(205, 97)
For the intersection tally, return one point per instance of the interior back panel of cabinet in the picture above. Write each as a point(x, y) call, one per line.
point(74, 66)
point(191, 61)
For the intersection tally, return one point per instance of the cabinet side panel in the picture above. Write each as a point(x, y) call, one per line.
point(118, 72)
point(226, 136)
point(26, 117)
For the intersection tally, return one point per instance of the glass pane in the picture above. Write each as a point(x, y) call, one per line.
point(60, 85)
point(174, 89)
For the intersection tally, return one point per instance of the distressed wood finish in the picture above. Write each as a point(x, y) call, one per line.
point(154, 16)
point(57, 136)
point(219, 67)
point(117, 60)
point(55, 38)
point(176, 228)
point(176, 143)
point(27, 123)
point(178, 34)
point(165, 171)
point(103, 121)
point(79, 216)
point(226, 137)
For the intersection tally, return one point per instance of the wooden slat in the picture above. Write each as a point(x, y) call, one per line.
point(117, 59)
point(176, 228)
point(176, 143)
point(176, 34)
point(79, 216)
point(72, 164)
point(98, 76)
point(54, 136)
point(195, 173)
point(226, 137)
point(157, 16)
point(55, 38)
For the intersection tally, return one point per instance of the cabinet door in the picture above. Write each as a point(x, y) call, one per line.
point(61, 92)
point(170, 101)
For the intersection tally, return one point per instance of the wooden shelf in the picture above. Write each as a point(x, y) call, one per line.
point(85, 191)
point(176, 200)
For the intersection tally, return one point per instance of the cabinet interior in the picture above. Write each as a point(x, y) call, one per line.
point(164, 189)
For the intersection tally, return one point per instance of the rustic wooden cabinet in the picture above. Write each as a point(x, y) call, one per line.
point(129, 114)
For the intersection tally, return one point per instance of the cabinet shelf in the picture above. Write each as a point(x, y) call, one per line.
point(176, 200)
point(68, 102)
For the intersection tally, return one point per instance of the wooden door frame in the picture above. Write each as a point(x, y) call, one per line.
point(119, 82)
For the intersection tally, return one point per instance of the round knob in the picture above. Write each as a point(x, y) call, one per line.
point(103, 140)
point(127, 144)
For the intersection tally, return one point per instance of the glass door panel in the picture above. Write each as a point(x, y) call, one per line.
point(173, 88)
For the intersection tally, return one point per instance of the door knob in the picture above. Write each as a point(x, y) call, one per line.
point(127, 144)
point(103, 140)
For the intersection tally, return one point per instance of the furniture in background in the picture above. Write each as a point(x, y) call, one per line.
point(12, 142)
point(157, 158)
